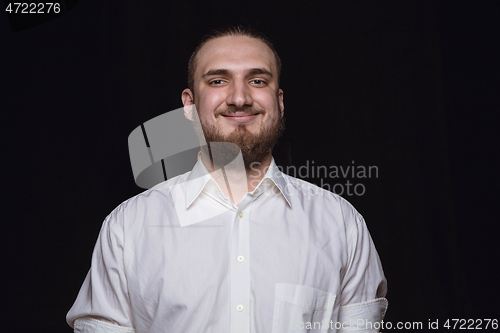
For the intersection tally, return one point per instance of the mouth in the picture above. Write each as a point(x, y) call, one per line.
point(240, 117)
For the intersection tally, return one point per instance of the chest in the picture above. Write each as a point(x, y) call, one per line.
point(179, 270)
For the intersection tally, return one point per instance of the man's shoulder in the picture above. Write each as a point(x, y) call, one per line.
point(312, 191)
point(157, 197)
point(317, 196)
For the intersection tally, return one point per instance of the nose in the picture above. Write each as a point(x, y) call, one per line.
point(239, 95)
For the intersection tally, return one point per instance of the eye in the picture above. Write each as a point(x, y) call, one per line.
point(216, 82)
point(258, 82)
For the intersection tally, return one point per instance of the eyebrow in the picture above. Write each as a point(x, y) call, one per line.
point(227, 72)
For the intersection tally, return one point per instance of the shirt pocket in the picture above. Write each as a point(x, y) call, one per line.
point(301, 309)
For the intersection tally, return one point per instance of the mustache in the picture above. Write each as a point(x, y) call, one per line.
point(234, 109)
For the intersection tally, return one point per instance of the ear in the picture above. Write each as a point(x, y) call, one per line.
point(280, 101)
point(188, 102)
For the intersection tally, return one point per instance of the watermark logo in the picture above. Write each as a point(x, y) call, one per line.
point(340, 179)
point(168, 146)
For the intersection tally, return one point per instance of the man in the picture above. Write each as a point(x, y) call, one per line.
point(233, 247)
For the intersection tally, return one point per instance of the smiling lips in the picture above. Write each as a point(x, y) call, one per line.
point(240, 117)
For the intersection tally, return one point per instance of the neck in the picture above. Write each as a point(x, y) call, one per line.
point(240, 181)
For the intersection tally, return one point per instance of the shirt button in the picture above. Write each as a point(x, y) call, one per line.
point(241, 258)
point(240, 214)
point(239, 307)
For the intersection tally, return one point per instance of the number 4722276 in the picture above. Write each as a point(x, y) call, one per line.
point(33, 7)
point(471, 324)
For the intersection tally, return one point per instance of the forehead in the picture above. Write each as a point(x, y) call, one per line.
point(235, 53)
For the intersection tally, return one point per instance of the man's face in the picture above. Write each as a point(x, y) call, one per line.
point(237, 96)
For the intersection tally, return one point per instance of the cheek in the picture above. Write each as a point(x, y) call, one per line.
point(267, 100)
point(206, 108)
point(212, 99)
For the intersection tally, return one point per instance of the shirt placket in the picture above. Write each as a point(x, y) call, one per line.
point(240, 271)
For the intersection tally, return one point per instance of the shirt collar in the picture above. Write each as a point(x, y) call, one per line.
point(199, 177)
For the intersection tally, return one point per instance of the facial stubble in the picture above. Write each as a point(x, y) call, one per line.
point(255, 147)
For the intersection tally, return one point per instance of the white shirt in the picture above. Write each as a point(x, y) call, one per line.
point(181, 257)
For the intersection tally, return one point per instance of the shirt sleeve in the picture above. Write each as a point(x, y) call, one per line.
point(98, 325)
point(364, 286)
point(104, 293)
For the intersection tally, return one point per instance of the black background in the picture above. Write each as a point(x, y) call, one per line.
point(408, 86)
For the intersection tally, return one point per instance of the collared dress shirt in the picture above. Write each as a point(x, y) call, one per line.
point(181, 257)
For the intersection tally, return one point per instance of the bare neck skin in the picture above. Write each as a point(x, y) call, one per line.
point(239, 182)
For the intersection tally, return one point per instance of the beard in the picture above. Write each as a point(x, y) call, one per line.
point(255, 147)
